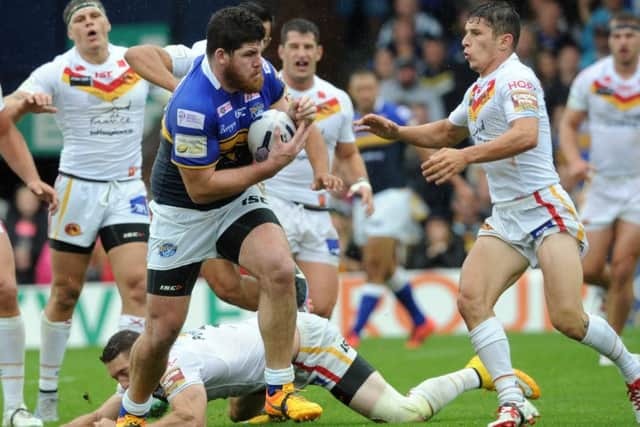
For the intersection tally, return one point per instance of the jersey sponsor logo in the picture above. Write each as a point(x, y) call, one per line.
point(256, 110)
point(241, 112)
point(613, 97)
point(80, 81)
point(227, 128)
point(224, 108)
point(139, 206)
point(524, 100)
point(108, 92)
point(167, 250)
point(106, 75)
point(115, 121)
point(479, 98)
point(251, 96)
point(190, 119)
point(520, 84)
point(190, 146)
point(327, 109)
point(73, 229)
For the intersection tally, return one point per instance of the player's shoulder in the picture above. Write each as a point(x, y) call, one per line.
point(325, 89)
point(196, 92)
point(596, 69)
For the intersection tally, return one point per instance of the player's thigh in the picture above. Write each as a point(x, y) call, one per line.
point(8, 286)
point(559, 259)
point(600, 240)
point(68, 268)
point(490, 268)
point(222, 276)
point(626, 247)
point(265, 250)
point(379, 253)
point(128, 262)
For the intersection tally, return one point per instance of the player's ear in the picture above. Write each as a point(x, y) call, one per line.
point(319, 52)
point(220, 56)
point(280, 51)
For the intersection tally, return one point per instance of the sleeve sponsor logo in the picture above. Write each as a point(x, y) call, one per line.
point(190, 146)
point(172, 380)
point(190, 119)
point(524, 100)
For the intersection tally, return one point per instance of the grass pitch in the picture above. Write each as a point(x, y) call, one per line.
point(575, 390)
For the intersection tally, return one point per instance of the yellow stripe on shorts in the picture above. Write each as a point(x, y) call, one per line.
point(63, 207)
point(333, 351)
point(572, 211)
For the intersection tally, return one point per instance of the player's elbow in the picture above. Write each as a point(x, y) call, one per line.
point(528, 140)
point(187, 419)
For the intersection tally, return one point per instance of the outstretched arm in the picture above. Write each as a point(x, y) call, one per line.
point(188, 408)
point(108, 411)
point(153, 64)
point(442, 133)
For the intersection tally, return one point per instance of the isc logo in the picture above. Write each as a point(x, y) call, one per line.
point(254, 199)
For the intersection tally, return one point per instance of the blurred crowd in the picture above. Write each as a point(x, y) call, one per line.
point(415, 48)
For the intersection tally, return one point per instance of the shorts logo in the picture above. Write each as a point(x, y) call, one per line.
point(73, 229)
point(170, 288)
point(334, 247)
point(190, 119)
point(139, 206)
point(540, 230)
point(167, 250)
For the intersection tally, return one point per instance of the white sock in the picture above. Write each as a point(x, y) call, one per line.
point(139, 409)
point(399, 278)
point(439, 391)
point(12, 361)
point(604, 340)
point(54, 337)
point(131, 323)
point(491, 344)
point(278, 376)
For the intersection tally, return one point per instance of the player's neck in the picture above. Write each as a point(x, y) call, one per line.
point(95, 56)
point(626, 71)
point(298, 84)
point(495, 64)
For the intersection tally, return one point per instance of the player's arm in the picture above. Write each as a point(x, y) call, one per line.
point(579, 168)
point(14, 150)
point(153, 64)
point(448, 162)
point(188, 408)
point(22, 102)
point(108, 411)
point(442, 133)
point(245, 407)
point(355, 173)
point(206, 185)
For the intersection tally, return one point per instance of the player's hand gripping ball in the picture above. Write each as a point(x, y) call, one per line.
point(262, 130)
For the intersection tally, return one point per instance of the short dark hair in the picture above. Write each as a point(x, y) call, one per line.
point(120, 342)
point(231, 27)
point(363, 71)
point(626, 17)
point(300, 25)
point(500, 16)
point(74, 5)
point(258, 9)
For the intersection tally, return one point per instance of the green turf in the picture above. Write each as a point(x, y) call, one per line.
point(575, 390)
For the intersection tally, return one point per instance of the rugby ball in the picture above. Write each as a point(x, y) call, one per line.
point(262, 130)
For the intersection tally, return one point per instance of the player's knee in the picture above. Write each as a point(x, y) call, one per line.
point(136, 289)
point(8, 295)
point(622, 271)
point(280, 274)
point(470, 306)
point(186, 419)
point(569, 322)
point(64, 295)
point(592, 272)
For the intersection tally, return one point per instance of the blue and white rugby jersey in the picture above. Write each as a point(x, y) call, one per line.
point(205, 126)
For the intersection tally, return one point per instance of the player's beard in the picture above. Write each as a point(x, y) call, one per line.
point(236, 80)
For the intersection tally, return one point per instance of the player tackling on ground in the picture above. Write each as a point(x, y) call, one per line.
point(533, 221)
